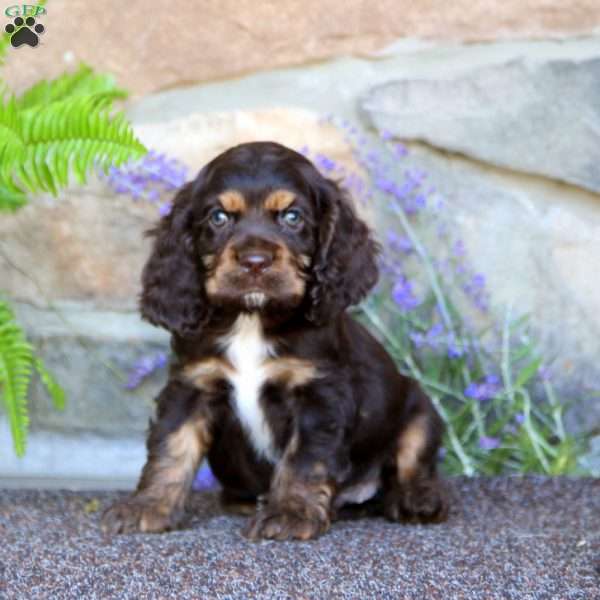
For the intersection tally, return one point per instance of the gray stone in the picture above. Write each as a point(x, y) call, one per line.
point(90, 353)
point(541, 117)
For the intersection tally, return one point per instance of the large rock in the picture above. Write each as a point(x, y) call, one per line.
point(541, 117)
point(154, 45)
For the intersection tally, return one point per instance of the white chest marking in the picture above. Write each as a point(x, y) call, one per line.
point(247, 350)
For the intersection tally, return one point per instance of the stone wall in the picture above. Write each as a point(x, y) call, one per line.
point(499, 102)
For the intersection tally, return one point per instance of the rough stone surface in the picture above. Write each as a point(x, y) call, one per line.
point(521, 539)
point(151, 45)
point(91, 352)
point(533, 117)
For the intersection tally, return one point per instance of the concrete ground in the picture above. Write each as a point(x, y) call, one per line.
point(519, 538)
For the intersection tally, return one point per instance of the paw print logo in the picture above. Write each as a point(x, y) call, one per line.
point(24, 32)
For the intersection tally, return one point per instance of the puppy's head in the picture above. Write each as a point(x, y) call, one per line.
point(259, 229)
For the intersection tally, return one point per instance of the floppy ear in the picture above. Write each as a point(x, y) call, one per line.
point(345, 265)
point(173, 294)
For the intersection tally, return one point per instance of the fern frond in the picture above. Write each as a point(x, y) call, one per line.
point(17, 363)
point(11, 199)
point(16, 356)
point(44, 143)
point(55, 391)
point(83, 82)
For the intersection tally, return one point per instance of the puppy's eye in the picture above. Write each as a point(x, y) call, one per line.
point(291, 217)
point(219, 218)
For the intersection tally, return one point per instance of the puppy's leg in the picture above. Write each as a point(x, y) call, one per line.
point(412, 491)
point(177, 443)
point(298, 505)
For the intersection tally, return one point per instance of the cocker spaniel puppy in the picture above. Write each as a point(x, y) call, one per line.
point(292, 401)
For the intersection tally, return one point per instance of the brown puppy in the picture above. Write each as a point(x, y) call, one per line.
point(288, 397)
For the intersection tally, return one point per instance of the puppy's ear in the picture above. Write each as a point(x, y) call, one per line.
point(173, 294)
point(345, 265)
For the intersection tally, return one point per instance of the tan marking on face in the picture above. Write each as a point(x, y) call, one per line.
point(291, 372)
point(412, 443)
point(225, 264)
point(279, 200)
point(204, 374)
point(233, 201)
point(297, 284)
point(168, 477)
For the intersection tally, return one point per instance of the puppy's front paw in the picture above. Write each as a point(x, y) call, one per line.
point(137, 514)
point(422, 502)
point(280, 524)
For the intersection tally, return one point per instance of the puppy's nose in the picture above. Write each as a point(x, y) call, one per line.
point(255, 260)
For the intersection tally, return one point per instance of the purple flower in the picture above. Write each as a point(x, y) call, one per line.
point(324, 162)
point(399, 243)
point(143, 368)
point(164, 209)
point(454, 350)
point(400, 150)
point(488, 443)
point(520, 418)
point(484, 390)
point(459, 248)
point(148, 178)
point(204, 480)
point(545, 373)
point(403, 295)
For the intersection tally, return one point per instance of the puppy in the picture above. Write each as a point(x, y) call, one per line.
point(291, 400)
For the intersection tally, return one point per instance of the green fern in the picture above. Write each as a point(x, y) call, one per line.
point(17, 364)
point(60, 127)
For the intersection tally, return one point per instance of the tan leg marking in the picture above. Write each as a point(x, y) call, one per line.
point(412, 443)
point(166, 480)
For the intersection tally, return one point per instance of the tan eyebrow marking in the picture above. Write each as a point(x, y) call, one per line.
point(233, 201)
point(279, 200)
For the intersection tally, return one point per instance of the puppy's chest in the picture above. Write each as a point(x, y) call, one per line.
point(249, 363)
point(250, 355)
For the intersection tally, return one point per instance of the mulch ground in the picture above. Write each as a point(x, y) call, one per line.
point(516, 538)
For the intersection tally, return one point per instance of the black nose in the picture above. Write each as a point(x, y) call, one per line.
point(255, 260)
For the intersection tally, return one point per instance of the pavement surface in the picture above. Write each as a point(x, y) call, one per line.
point(515, 537)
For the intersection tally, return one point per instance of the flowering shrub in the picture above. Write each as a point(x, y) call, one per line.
point(431, 309)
